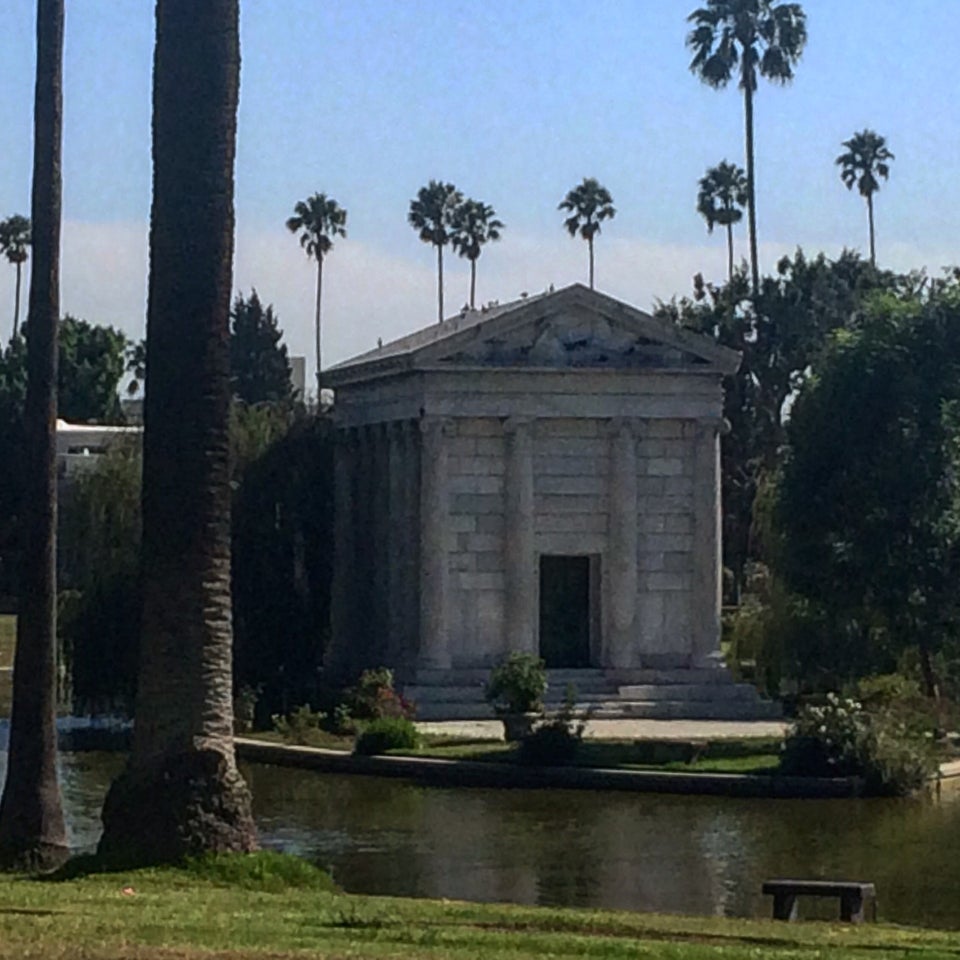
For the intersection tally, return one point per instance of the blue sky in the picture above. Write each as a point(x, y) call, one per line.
point(515, 102)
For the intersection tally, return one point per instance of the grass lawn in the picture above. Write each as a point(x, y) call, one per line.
point(752, 755)
point(760, 756)
point(167, 914)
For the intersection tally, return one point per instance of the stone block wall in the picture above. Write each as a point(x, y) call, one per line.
point(573, 510)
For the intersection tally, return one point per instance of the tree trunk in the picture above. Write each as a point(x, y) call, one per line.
point(439, 283)
point(473, 281)
point(181, 793)
point(590, 245)
point(729, 252)
point(751, 192)
point(317, 323)
point(16, 302)
point(32, 831)
point(873, 251)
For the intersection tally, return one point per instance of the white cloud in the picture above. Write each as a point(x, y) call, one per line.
point(370, 293)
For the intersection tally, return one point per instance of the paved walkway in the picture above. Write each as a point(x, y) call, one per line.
point(623, 729)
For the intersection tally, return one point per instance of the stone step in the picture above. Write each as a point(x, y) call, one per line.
point(624, 710)
point(467, 676)
point(688, 692)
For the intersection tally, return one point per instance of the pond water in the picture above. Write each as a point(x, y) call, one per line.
point(699, 855)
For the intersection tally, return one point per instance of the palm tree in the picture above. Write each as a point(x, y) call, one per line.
point(722, 197)
point(32, 831)
point(865, 160)
point(14, 240)
point(589, 204)
point(432, 212)
point(747, 37)
point(318, 219)
point(474, 224)
point(181, 793)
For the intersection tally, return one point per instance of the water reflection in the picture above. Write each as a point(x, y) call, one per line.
point(700, 855)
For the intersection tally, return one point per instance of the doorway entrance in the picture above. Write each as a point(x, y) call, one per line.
point(567, 610)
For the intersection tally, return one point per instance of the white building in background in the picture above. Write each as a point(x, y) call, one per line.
point(79, 445)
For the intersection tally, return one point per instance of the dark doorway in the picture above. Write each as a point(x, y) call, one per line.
point(565, 611)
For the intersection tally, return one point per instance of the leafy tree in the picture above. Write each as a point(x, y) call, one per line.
point(92, 360)
point(14, 240)
point(181, 792)
point(747, 38)
point(13, 391)
point(588, 204)
point(99, 554)
point(432, 212)
point(780, 334)
point(868, 506)
point(318, 219)
point(722, 197)
point(474, 225)
point(259, 368)
point(32, 829)
point(866, 158)
point(282, 530)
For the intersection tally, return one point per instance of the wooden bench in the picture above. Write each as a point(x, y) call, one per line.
point(853, 897)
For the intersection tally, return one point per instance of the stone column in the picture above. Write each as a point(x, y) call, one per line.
point(434, 516)
point(707, 563)
point(344, 552)
point(519, 553)
point(396, 539)
point(411, 542)
point(621, 650)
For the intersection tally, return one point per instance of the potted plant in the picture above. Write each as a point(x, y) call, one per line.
point(515, 691)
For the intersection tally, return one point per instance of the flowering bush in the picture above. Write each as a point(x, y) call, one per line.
point(841, 738)
point(374, 697)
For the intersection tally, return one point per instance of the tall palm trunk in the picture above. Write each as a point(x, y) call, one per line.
point(590, 245)
point(317, 322)
point(751, 191)
point(439, 283)
point(729, 252)
point(181, 793)
point(473, 281)
point(16, 302)
point(32, 832)
point(873, 250)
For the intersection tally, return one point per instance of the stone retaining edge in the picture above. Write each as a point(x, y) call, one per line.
point(475, 773)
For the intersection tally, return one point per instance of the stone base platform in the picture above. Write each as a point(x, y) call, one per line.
point(684, 694)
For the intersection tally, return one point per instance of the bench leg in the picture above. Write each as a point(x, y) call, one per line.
point(851, 908)
point(784, 906)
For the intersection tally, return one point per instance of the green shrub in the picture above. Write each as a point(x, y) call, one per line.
point(387, 733)
point(297, 725)
point(555, 742)
point(841, 738)
point(552, 744)
point(517, 684)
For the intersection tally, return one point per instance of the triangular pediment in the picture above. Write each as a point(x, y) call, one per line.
point(573, 328)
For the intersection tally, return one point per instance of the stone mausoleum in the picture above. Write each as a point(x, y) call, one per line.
point(539, 476)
